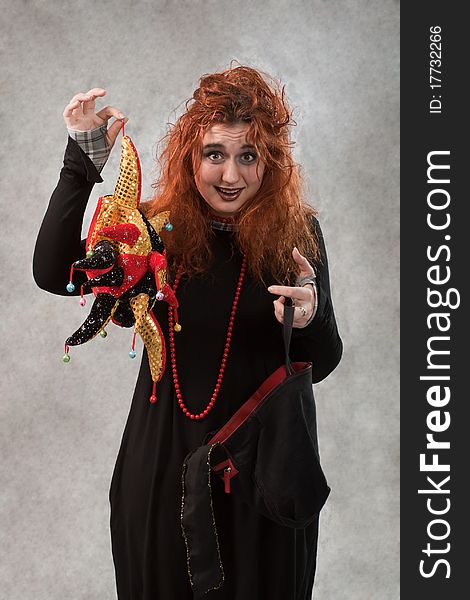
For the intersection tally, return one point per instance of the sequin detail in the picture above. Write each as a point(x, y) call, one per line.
point(126, 264)
point(147, 326)
point(222, 573)
point(100, 313)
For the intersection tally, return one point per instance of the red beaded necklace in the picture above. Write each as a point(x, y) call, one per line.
point(176, 327)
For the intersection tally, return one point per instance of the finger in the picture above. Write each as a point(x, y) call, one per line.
point(81, 96)
point(73, 108)
point(305, 267)
point(115, 128)
point(97, 92)
point(299, 318)
point(110, 111)
point(305, 294)
point(89, 105)
point(302, 314)
point(113, 131)
point(279, 310)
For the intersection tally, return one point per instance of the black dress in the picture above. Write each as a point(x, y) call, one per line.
point(262, 560)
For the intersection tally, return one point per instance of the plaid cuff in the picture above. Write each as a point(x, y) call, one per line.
point(94, 143)
point(223, 226)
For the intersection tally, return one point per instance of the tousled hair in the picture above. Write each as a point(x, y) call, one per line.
point(272, 222)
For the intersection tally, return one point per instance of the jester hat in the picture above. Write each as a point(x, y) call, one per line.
point(126, 267)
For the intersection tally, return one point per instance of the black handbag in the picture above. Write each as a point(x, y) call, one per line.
point(266, 454)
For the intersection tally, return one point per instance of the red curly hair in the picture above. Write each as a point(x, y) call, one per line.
point(272, 222)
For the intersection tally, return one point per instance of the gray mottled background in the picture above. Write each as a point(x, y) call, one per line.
point(61, 425)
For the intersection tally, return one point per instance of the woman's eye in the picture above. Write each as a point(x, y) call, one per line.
point(211, 155)
point(249, 157)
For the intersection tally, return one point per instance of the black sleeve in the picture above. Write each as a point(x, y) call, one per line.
point(319, 342)
point(59, 242)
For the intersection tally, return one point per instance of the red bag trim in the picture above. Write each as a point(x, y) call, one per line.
point(266, 388)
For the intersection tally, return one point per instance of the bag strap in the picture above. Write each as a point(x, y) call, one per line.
point(289, 309)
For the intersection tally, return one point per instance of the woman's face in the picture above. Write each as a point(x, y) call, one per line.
point(228, 164)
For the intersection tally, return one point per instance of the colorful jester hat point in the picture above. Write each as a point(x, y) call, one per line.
point(126, 267)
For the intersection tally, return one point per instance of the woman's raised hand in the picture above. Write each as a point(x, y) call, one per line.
point(304, 298)
point(79, 114)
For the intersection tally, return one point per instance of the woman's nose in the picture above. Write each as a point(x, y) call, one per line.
point(230, 173)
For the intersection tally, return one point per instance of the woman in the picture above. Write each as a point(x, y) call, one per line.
point(242, 240)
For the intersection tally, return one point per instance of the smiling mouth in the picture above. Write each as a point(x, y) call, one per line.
point(227, 193)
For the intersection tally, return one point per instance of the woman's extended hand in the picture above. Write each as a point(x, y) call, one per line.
point(80, 114)
point(302, 297)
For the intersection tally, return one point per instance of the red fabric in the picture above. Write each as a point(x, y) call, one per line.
point(246, 409)
point(170, 296)
point(128, 233)
point(134, 267)
point(157, 261)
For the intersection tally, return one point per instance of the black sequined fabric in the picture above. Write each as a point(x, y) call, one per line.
point(155, 239)
point(99, 315)
point(104, 256)
point(115, 277)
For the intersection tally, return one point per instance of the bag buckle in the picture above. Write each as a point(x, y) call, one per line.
point(225, 469)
